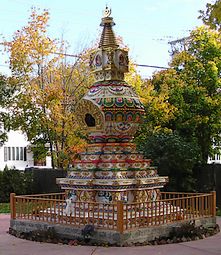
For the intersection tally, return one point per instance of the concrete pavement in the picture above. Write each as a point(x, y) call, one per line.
point(10, 245)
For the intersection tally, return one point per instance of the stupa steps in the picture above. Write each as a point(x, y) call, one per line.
point(112, 147)
point(112, 166)
point(119, 155)
point(117, 174)
point(112, 188)
point(114, 182)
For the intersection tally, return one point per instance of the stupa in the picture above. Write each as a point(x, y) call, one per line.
point(111, 169)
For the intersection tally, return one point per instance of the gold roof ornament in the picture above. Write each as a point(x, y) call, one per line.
point(107, 12)
point(108, 62)
point(107, 37)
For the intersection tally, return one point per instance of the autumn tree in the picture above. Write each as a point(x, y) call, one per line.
point(49, 88)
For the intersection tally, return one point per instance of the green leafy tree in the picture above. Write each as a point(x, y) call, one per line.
point(212, 15)
point(159, 111)
point(6, 93)
point(183, 109)
point(175, 158)
point(199, 102)
point(193, 86)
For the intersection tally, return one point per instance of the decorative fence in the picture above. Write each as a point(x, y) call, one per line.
point(172, 207)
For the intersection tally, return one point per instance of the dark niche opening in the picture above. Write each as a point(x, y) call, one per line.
point(90, 120)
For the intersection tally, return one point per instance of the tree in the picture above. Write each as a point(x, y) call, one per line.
point(212, 15)
point(174, 157)
point(159, 111)
point(199, 68)
point(6, 93)
point(193, 89)
point(49, 88)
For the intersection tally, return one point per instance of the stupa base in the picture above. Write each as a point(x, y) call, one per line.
point(68, 234)
point(111, 172)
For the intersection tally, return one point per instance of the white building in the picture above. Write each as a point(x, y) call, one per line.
point(16, 153)
point(214, 160)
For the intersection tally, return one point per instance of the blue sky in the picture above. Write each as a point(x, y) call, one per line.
point(145, 25)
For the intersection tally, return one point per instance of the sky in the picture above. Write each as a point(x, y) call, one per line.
point(146, 26)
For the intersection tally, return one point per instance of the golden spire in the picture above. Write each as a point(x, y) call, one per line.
point(107, 37)
point(108, 62)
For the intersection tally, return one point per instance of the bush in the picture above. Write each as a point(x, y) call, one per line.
point(44, 180)
point(30, 181)
point(175, 158)
point(14, 181)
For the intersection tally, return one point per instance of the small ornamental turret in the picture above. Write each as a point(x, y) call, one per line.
point(111, 169)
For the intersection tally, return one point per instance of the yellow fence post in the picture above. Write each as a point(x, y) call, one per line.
point(120, 217)
point(213, 209)
point(12, 206)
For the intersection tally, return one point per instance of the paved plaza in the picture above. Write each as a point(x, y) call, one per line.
point(10, 245)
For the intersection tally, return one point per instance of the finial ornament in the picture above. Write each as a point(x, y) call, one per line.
point(109, 61)
point(107, 12)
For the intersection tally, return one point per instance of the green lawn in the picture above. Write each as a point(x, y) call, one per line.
point(218, 212)
point(4, 208)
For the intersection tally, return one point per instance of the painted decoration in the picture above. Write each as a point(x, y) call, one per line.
point(104, 197)
point(110, 169)
point(71, 198)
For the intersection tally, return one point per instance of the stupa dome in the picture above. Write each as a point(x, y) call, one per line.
point(111, 110)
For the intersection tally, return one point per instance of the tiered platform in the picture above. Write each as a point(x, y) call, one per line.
point(116, 171)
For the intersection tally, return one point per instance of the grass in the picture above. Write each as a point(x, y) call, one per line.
point(4, 208)
point(27, 207)
point(218, 212)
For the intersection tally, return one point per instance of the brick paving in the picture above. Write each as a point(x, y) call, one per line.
point(10, 245)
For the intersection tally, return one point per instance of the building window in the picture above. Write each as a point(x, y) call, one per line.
point(13, 153)
point(9, 153)
point(5, 154)
point(25, 154)
point(17, 153)
point(21, 153)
